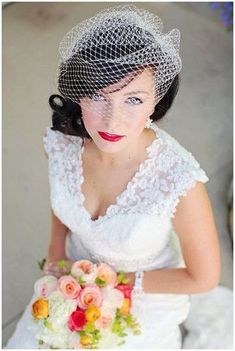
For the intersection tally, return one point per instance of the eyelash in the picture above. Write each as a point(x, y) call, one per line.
point(139, 100)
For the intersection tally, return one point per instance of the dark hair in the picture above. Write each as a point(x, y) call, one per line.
point(66, 116)
point(82, 82)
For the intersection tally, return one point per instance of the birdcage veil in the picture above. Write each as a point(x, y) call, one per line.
point(113, 48)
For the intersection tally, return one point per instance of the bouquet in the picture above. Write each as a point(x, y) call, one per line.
point(87, 307)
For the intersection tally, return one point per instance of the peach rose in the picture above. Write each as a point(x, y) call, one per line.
point(90, 295)
point(45, 285)
point(69, 287)
point(85, 269)
point(40, 309)
point(106, 273)
point(106, 319)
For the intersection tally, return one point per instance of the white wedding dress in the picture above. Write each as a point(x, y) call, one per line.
point(135, 233)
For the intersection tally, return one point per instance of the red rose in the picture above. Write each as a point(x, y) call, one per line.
point(77, 320)
point(126, 289)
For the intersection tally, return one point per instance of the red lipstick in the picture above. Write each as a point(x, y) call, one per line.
point(110, 137)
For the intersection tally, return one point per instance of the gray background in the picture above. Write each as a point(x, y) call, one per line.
point(201, 120)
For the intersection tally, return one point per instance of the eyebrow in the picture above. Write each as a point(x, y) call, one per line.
point(137, 92)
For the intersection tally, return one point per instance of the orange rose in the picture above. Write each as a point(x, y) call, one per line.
point(86, 340)
point(92, 313)
point(40, 309)
point(124, 310)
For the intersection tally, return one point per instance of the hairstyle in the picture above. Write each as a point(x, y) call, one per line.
point(75, 79)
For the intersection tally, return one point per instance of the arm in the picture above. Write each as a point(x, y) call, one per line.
point(57, 249)
point(195, 226)
point(59, 232)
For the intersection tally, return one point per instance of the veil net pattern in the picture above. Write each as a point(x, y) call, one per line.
point(114, 47)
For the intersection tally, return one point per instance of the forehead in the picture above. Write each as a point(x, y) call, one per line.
point(140, 81)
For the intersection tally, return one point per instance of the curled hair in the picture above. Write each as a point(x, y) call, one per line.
point(66, 116)
point(89, 70)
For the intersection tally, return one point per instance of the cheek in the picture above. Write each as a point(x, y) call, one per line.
point(139, 116)
point(90, 120)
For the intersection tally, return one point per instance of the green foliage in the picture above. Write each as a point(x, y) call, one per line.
point(118, 327)
point(121, 277)
point(61, 264)
point(121, 322)
point(91, 330)
point(41, 264)
point(100, 282)
point(47, 324)
point(80, 280)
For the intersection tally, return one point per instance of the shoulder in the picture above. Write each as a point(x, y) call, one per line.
point(55, 140)
point(180, 172)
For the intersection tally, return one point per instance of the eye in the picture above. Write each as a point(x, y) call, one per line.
point(96, 97)
point(135, 101)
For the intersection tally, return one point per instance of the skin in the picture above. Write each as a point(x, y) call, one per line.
point(194, 220)
point(120, 112)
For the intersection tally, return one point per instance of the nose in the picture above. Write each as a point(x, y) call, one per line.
point(113, 116)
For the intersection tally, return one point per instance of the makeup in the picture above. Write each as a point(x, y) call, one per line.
point(110, 137)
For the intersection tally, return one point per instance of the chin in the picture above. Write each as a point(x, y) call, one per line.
point(109, 147)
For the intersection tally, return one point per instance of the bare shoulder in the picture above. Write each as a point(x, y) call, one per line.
point(195, 226)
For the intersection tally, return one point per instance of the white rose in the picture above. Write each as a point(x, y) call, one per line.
point(112, 298)
point(108, 340)
point(44, 286)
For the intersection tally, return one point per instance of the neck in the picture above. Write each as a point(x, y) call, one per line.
point(127, 155)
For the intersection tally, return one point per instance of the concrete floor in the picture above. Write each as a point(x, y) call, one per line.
point(201, 120)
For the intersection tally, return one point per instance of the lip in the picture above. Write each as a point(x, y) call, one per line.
point(110, 137)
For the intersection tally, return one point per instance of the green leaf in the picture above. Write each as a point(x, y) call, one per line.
point(47, 324)
point(89, 327)
point(82, 332)
point(41, 264)
point(121, 277)
point(100, 282)
point(61, 264)
point(121, 342)
point(137, 332)
point(80, 280)
point(40, 342)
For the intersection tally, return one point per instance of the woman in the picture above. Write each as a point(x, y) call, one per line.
point(123, 191)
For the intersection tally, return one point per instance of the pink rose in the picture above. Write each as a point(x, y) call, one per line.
point(84, 269)
point(45, 285)
point(106, 273)
point(90, 295)
point(69, 287)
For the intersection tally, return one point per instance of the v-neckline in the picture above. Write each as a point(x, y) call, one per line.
point(115, 205)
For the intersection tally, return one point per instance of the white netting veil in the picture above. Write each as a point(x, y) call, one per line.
point(108, 52)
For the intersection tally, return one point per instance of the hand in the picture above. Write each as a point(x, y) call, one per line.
point(131, 277)
point(57, 268)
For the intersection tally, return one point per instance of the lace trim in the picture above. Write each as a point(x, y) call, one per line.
point(127, 201)
point(168, 172)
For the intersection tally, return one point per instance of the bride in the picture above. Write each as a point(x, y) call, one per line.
point(124, 191)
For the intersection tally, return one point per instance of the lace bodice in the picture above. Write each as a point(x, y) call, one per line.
point(135, 232)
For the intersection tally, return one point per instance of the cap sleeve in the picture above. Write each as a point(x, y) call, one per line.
point(55, 141)
point(182, 174)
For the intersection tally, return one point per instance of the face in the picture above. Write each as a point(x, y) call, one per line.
point(122, 112)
